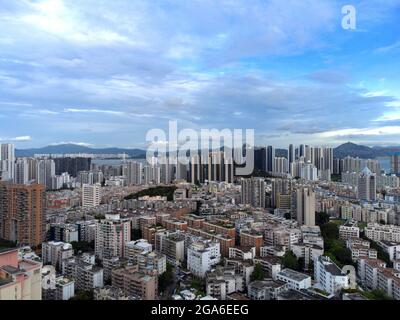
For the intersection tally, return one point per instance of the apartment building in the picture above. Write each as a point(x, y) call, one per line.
point(252, 239)
point(349, 230)
point(270, 264)
point(329, 276)
point(87, 276)
point(172, 245)
point(295, 280)
point(112, 233)
point(135, 283)
point(202, 256)
point(242, 253)
point(267, 289)
point(19, 279)
point(379, 232)
point(22, 218)
point(54, 253)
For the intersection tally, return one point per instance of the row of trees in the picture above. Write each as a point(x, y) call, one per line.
point(163, 191)
point(334, 247)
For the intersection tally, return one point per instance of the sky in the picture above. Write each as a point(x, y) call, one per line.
point(103, 73)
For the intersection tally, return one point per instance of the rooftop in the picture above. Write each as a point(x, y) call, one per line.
point(292, 274)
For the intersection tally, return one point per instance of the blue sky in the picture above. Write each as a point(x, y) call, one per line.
point(103, 73)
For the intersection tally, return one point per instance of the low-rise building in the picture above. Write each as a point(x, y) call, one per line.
point(391, 248)
point(111, 293)
point(349, 230)
point(271, 265)
point(360, 249)
point(243, 253)
point(266, 289)
point(328, 275)
point(223, 281)
point(367, 270)
point(309, 252)
point(294, 279)
point(135, 283)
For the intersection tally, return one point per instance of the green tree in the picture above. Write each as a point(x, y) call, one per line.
point(82, 246)
point(258, 273)
point(290, 261)
point(321, 218)
point(163, 191)
point(99, 216)
point(136, 234)
point(330, 231)
point(83, 295)
point(5, 244)
point(166, 279)
point(376, 294)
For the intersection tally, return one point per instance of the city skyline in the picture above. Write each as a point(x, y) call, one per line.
point(103, 74)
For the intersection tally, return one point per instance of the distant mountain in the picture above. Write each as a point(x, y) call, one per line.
point(74, 148)
point(364, 152)
point(346, 149)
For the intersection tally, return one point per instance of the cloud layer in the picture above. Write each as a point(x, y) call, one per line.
point(107, 72)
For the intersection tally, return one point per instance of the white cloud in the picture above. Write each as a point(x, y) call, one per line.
point(83, 144)
point(388, 130)
point(388, 48)
point(112, 112)
point(17, 139)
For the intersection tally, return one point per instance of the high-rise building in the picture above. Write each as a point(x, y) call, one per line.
point(279, 187)
point(305, 206)
point(196, 174)
point(291, 156)
point(22, 218)
point(72, 165)
point(351, 164)
point(337, 169)
point(395, 164)
point(181, 171)
point(45, 172)
point(90, 195)
point(328, 159)
point(21, 171)
point(366, 189)
point(166, 172)
point(281, 165)
point(308, 153)
point(260, 159)
point(302, 151)
point(270, 159)
point(309, 172)
point(112, 235)
point(7, 161)
point(133, 173)
point(253, 192)
point(373, 165)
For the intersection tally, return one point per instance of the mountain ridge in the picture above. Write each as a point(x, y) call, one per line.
point(343, 150)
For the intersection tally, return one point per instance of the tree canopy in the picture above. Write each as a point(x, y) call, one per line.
point(163, 191)
point(290, 261)
point(258, 273)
